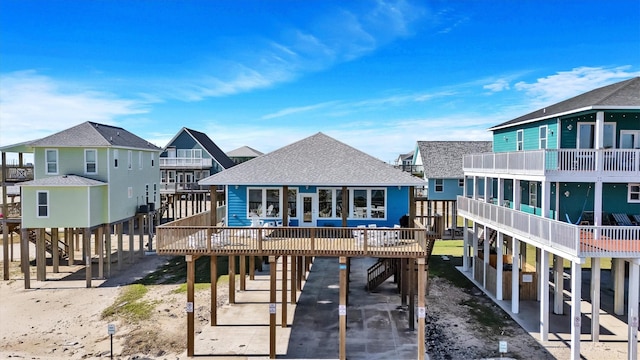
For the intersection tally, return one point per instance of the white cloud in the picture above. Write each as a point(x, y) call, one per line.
point(33, 106)
point(497, 86)
point(566, 84)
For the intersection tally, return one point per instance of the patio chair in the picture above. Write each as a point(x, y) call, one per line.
point(622, 219)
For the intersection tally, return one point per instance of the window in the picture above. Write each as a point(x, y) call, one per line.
point(630, 139)
point(155, 192)
point(360, 203)
point(264, 202)
point(520, 140)
point(542, 138)
point(378, 204)
point(153, 159)
point(368, 203)
point(115, 158)
point(461, 183)
point(52, 161)
point(130, 158)
point(292, 202)
point(146, 193)
point(43, 204)
point(140, 154)
point(586, 136)
point(325, 203)
point(533, 194)
point(634, 193)
point(339, 205)
point(90, 161)
point(439, 185)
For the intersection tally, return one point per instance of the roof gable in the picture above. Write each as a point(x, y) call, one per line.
point(206, 144)
point(244, 151)
point(443, 159)
point(316, 160)
point(90, 134)
point(624, 94)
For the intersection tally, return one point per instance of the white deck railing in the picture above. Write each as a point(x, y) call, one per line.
point(565, 238)
point(544, 162)
point(185, 162)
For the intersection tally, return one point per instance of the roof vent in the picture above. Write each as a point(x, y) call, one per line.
point(118, 133)
point(110, 138)
point(544, 111)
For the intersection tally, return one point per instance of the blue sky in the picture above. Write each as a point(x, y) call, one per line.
point(377, 75)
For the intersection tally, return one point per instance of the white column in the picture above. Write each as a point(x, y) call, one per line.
point(576, 314)
point(516, 194)
point(500, 194)
point(544, 295)
point(538, 267)
point(545, 200)
point(599, 140)
point(597, 206)
point(595, 299)
point(558, 281)
point(485, 253)
point(474, 251)
point(618, 285)
point(634, 283)
point(465, 246)
point(515, 278)
point(499, 266)
point(487, 189)
point(475, 188)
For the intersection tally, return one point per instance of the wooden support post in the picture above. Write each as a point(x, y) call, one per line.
point(617, 271)
point(342, 308)
point(24, 257)
point(293, 279)
point(272, 307)
point(120, 230)
point(284, 291)
point(69, 239)
point(213, 262)
point(55, 250)
point(412, 206)
point(5, 227)
point(595, 299)
point(285, 206)
point(191, 278)
point(544, 295)
point(345, 200)
point(107, 235)
point(141, 234)
point(404, 277)
point(422, 279)
point(243, 273)
point(131, 225)
point(41, 256)
point(99, 236)
point(576, 313)
point(299, 273)
point(558, 288)
point(213, 214)
point(412, 302)
point(632, 312)
point(515, 278)
point(232, 279)
point(252, 267)
point(86, 247)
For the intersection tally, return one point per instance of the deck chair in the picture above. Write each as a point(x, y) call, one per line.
point(622, 219)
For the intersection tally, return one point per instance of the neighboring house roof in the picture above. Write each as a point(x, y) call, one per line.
point(405, 157)
point(90, 134)
point(208, 145)
point(443, 159)
point(244, 151)
point(621, 95)
point(63, 180)
point(316, 160)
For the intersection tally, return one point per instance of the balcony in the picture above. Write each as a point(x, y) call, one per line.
point(564, 239)
point(184, 163)
point(187, 187)
point(606, 163)
point(16, 173)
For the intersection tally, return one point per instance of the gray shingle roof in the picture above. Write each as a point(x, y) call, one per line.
point(244, 151)
point(443, 159)
point(621, 94)
point(216, 153)
point(95, 135)
point(63, 180)
point(316, 160)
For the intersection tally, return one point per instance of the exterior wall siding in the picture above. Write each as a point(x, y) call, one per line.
point(451, 189)
point(68, 207)
point(506, 139)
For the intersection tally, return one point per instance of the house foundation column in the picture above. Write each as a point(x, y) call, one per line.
point(618, 285)
point(284, 291)
point(342, 308)
point(191, 278)
point(86, 248)
point(558, 282)
point(634, 284)
point(515, 277)
point(41, 256)
point(543, 274)
point(272, 307)
point(499, 265)
point(595, 299)
point(485, 255)
point(474, 250)
point(24, 257)
point(213, 270)
point(422, 277)
point(55, 250)
point(465, 246)
point(232, 278)
point(576, 314)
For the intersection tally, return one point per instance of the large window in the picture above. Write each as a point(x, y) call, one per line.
point(331, 205)
point(533, 194)
point(292, 203)
point(630, 139)
point(587, 133)
point(264, 202)
point(634, 193)
point(43, 204)
point(368, 203)
point(542, 137)
point(52, 161)
point(90, 161)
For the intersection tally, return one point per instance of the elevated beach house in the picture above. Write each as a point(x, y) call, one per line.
point(315, 197)
point(243, 153)
point(565, 180)
point(188, 157)
point(88, 179)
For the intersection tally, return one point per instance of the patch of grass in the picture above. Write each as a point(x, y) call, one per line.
point(129, 305)
point(485, 315)
point(200, 286)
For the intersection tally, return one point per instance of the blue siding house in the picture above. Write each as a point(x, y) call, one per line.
point(324, 182)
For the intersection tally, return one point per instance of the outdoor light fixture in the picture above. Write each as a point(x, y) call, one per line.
point(506, 138)
point(567, 193)
point(569, 127)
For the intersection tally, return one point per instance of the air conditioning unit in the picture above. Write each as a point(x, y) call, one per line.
point(143, 209)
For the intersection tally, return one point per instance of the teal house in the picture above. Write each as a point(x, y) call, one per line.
point(565, 180)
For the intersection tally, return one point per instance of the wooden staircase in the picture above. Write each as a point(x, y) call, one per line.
point(493, 236)
point(380, 271)
point(63, 249)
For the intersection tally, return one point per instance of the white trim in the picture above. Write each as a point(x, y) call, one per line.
point(47, 205)
point(593, 124)
point(46, 162)
point(435, 185)
point(544, 129)
point(264, 205)
point(86, 163)
point(520, 140)
point(130, 160)
point(116, 158)
point(629, 192)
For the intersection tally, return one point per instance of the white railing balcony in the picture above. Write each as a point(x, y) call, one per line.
point(562, 238)
point(185, 163)
point(601, 162)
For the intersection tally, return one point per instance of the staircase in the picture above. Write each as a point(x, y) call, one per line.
point(63, 249)
point(493, 235)
point(379, 272)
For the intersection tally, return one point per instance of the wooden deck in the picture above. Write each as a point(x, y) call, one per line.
point(297, 241)
point(588, 242)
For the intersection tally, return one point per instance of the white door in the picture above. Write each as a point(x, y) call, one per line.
point(309, 210)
